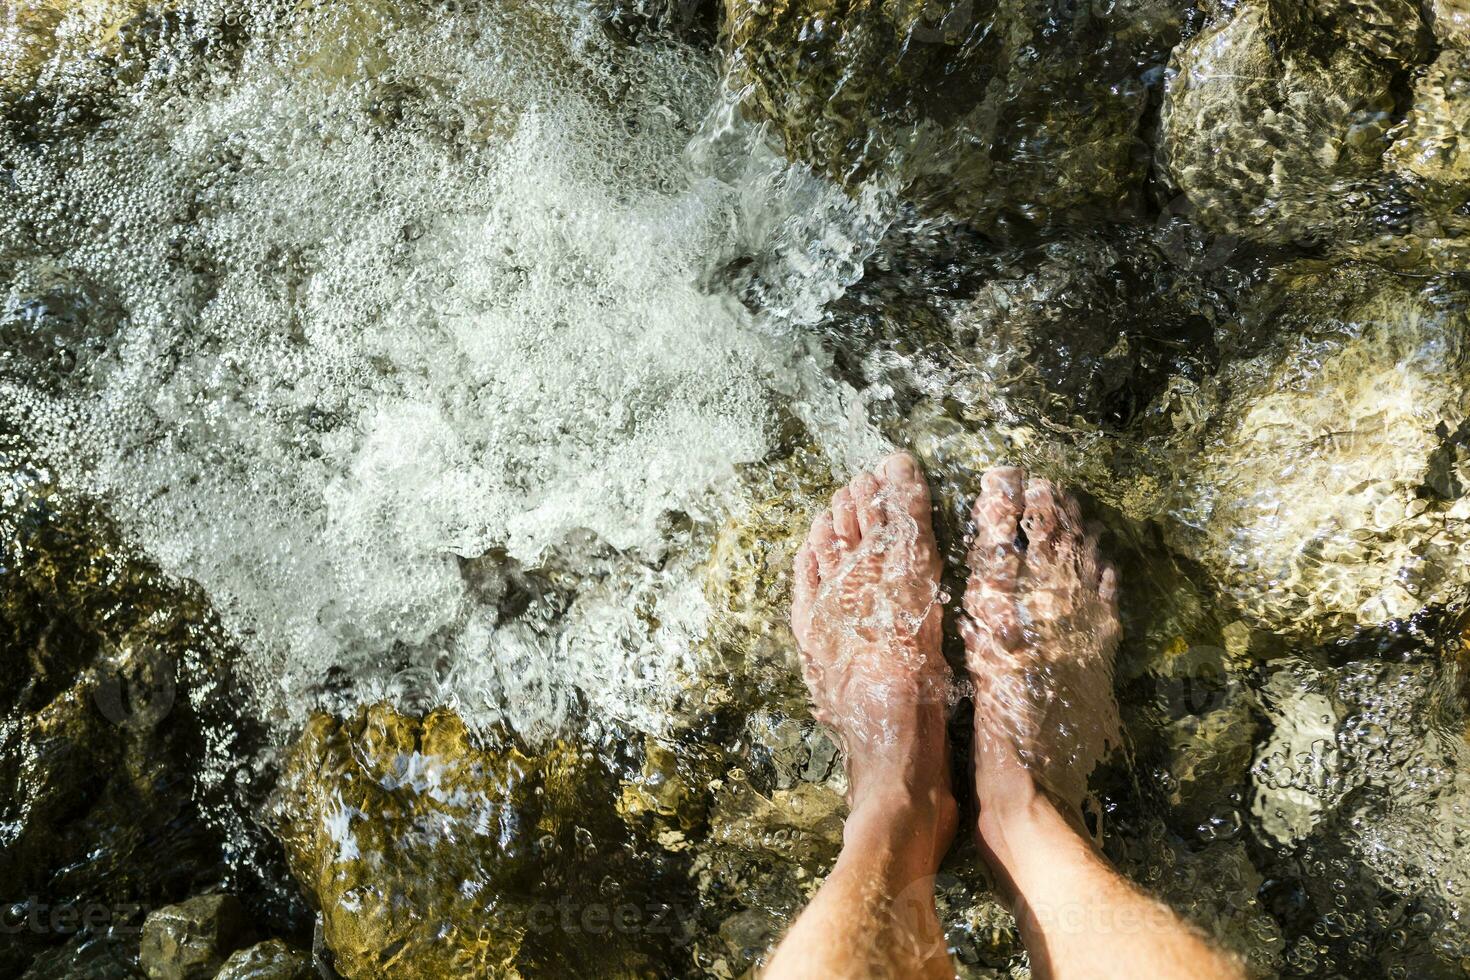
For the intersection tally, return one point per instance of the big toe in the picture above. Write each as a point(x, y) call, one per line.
point(906, 492)
point(1051, 522)
point(997, 511)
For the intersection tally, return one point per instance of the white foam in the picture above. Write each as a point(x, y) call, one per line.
point(356, 350)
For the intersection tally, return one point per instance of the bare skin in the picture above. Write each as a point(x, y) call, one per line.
point(867, 615)
point(1040, 629)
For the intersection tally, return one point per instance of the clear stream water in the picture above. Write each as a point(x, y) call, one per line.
point(326, 304)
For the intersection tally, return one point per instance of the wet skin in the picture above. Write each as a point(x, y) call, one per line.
point(1040, 627)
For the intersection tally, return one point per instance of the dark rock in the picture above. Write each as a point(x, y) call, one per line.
point(100, 743)
point(191, 940)
point(994, 112)
point(1390, 29)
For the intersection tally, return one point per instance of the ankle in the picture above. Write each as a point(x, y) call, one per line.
point(909, 786)
point(912, 826)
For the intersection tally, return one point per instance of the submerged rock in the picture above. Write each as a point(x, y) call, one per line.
point(1328, 488)
point(1432, 146)
point(429, 855)
point(763, 858)
point(102, 760)
point(38, 36)
point(1271, 130)
point(191, 940)
point(1081, 333)
point(1391, 29)
point(1451, 21)
point(270, 960)
point(751, 653)
point(991, 111)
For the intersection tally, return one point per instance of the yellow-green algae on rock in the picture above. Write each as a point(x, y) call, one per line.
point(431, 855)
point(1432, 145)
point(1329, 491)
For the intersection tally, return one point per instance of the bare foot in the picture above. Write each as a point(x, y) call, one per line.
point(867, 610)
point(1040, 633)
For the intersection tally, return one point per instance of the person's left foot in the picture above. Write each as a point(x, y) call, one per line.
point(866, 611)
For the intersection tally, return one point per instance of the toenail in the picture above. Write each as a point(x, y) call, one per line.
point(900, 466)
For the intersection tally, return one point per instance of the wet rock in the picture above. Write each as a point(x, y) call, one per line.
point(990, 111)
point(1327, 489)
point(1081, 333)
point(750, 652)
point(340, 42)
point(1217, 889)
point(37, 36)
point(666, 790)
point(56, 327)
point(1209, 758)
point(270, 960)
point(1451, 21)
point(191, 940)
point(750, 933)
point(1295, 766)
point(693, 21)
point(85, 957)
point(356, 840)
point(1272, 131)
point(100, 742)
point(1390, 29)
point(802, 825)
point(429, 855)
point(1432, 146)
point(978, 926)
point(767, 852)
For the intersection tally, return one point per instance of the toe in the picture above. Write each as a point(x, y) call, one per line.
point(997, 510)
point(805, 578)
point(908, 491)
point(823, 543)
point(997, 514)
point(1089, 568)
point(864, 492)
point(844, 519)
point(1042, 521)
point(1107, 587)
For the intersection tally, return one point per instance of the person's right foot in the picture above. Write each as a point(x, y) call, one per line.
point(1040, 631)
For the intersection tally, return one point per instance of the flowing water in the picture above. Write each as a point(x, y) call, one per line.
point(489, 356)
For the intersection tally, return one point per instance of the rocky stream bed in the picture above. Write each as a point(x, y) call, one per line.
point(409, 412)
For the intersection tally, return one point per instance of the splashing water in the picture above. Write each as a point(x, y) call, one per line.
point(396, 299)
point(436, 342)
